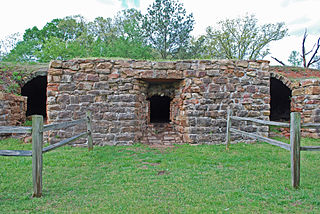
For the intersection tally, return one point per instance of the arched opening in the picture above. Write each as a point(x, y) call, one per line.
point(36, 91)
point(280, 100)
point(159, 109)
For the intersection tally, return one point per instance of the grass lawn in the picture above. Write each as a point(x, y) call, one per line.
point(184, 179)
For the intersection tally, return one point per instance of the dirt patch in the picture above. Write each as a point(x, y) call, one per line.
point(163, 172)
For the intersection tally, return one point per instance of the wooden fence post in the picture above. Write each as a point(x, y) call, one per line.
point(37, 142)
point(89, 130)
point(229, 112)
point(295, 135)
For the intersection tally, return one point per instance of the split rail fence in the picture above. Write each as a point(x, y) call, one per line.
point(37, 130)
point(295, 137)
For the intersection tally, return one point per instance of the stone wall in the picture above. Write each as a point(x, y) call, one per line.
point(305, 99)
point(12, 109)
point(117, 92)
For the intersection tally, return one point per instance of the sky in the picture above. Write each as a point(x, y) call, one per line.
point(19, 15)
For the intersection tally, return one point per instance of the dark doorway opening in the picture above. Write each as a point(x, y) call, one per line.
point(159, 109)
point(36, 91)
point(280, 101)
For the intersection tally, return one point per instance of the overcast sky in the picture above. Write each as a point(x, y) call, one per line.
point(18, 15)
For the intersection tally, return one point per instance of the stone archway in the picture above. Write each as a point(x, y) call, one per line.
point(283, 79)
point(36, 91)
point(280, 94)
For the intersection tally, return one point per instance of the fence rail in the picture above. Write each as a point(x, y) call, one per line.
point(37, 130)
point(15, 153)
point(295, 138)
point(310, 148)
point(264, 122)
point(310, 125)
point(63, 142)
point(14, 130)
point(265, 139)
point(63, 124)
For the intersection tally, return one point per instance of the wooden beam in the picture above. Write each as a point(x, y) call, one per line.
point(261, 121)
point(264, 139)
point(37, 142)
point(295, 135)
point(310, 125)
point(15, 153)
point(310, 148)
point(14, 129)
point(63, 125)
point(229, 114)
point(63, 142)
point(89, 131)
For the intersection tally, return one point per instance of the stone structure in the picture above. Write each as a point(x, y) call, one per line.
point(305, 99)
point(126, 98)
point(12, 109)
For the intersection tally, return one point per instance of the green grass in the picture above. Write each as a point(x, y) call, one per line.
point(251, 178)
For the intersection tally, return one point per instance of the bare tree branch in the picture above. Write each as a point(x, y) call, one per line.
point(313, 60)
point(303, 49)
point(279, 61)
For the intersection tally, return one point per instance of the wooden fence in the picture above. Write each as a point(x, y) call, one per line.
point(295, 137)
point(37, 130)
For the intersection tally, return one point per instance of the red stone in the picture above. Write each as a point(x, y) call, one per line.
point(113, 76)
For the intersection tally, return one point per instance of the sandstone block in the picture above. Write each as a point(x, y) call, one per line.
point(79, 77)
point(313, 90)
point(104, 66)
point(299, 91)
point(87, 67)
point(254, 65)
point(243, 64)
point(173, 74)
point(55, 64)
point(251, 74)
point(183, 66)
point(164, 65)
point(141, 64)
point(55, 72)
point(66, 78)
point(66, 87)
point(92, 77)
point(189, 73)
point(72, 65)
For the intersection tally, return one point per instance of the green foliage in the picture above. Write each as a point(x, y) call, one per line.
point(13, 88)
point(241, 38)
point(168, 27)
point(182, 179)
point(295, 59)
point(74, 37)
point(164, 32)
point(28, 123)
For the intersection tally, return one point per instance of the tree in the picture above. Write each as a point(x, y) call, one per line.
point(59, 39)
point(131, 42)
point(168, 27)
point(314, 58)
point(242, 38)
point(295, 59)
point(122, 36)
point(317, 65)
point(8, 43)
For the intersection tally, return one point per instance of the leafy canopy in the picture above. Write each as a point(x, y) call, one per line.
point(241, 38)
point(168, 27)
point(164, 32)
